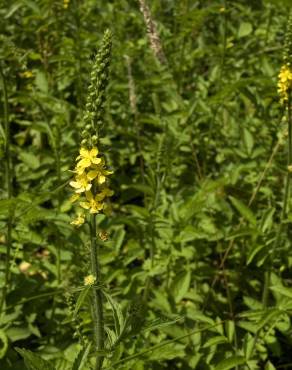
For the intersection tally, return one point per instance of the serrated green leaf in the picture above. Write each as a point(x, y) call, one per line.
point(117, 313)
point(82, 358)
point(81, 298)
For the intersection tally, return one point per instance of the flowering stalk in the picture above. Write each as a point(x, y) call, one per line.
point(91, 181)
point(152, 33)
point(285, 92)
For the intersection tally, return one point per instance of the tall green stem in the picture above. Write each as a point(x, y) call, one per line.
point(58, 165)
point(97, 305)
point(8, 179)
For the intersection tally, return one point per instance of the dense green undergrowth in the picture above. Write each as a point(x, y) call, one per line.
point(197, 140)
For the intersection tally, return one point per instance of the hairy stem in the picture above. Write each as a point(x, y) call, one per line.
point(97, 305)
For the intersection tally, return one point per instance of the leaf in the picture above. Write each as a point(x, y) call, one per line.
point(287, 292)
point(13, 9)
point(117, 313)
point(4, 344)
point(41, 82)
point(245, 29)
point(29, 159)
point(161, 323)
point(82, 296)
point(230, 329)
point(269, 366)
point(81, 359)
point(168, 352)
point(33, 361)
point(243, 210)
point(253, 253)
point(215, 341)
point(181, 285)
point(17, 333)
point(248, 141)
point(230, 363)
point(268, 318)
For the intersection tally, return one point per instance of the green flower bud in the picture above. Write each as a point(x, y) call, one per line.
point(84, 133)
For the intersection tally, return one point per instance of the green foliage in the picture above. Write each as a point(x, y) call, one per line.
point(198, 149)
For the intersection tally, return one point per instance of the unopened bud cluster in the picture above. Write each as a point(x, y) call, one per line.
point(96, 97)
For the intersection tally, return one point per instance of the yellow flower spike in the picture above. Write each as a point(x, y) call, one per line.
point(89, 280)
point(284, 82)
point(81, 184)
point(79, 220)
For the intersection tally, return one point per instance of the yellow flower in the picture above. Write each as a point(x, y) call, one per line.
point(99, 173)
point(81, 184)
point(86, 159)
point(89, 280)
point(79, 220)
point(27, 74)
point(284, 82)
point(92, 203)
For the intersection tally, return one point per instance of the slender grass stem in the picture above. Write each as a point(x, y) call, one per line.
point(97, 304)
point(8, 179)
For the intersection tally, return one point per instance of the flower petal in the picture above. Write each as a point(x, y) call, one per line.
point(96, 160)
point(84, 153)
point(101, 179)
point(93, 152)
point(83, 163)
point(75, 184)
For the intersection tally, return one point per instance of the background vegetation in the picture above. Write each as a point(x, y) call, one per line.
point(196, 137)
